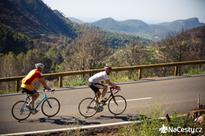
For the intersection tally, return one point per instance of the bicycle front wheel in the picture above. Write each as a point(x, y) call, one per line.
point(117, 104)
point(20, 111)
point(87, 107)
point(50, 107)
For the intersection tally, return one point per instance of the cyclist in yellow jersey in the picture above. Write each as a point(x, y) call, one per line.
point(29, 81)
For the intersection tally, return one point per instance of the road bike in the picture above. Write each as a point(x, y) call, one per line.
point(50, 106)
point(117, 104)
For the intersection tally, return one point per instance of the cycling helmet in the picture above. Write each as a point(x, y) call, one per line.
point(108, 69)
point(39, 65)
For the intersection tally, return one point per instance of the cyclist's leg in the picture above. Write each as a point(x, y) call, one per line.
point(24, 90)
point(34, 95)
point(96, 91)
point(105, 87)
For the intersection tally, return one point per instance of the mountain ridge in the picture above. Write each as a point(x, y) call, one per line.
point(154, 32)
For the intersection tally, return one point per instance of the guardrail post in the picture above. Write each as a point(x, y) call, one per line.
point(60, 81)
point(176, 70)
point(17, 86)
point(139, 73)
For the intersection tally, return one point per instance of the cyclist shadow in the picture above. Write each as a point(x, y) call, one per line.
point(124, 117)
point(67, 120)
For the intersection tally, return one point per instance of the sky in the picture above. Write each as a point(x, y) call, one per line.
point(150, 11)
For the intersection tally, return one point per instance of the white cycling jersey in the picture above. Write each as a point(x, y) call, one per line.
point(98, 77)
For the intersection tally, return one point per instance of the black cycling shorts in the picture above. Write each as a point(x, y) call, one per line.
point(96, 86)
point(28, 91)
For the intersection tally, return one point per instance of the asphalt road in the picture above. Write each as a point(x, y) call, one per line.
point(167, 95)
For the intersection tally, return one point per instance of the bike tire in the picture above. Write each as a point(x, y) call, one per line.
point(19, 111)
point(117, 105)
point(50, 107)
point(87, 107)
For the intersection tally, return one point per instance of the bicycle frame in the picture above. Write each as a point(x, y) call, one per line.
point(45, 97)
point(112, 94)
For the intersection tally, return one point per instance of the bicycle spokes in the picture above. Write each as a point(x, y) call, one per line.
point(50, 107)
point(20, 111)
point(117, 105)
point(87, 107)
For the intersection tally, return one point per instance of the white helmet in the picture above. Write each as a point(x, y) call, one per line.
point(39, 65)
point(108, 69)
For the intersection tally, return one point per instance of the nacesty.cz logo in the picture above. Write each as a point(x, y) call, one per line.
point(164, 129)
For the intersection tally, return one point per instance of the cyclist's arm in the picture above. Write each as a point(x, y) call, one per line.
point(112, 84)
point(42, 81)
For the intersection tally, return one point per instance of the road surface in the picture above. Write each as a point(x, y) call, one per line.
point(168, 95)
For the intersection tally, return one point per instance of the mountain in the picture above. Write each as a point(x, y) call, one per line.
point(128, 26)
point(178, 25)
point(33, 17)
point(114, 40)
point(154, 32)
point(78, 21)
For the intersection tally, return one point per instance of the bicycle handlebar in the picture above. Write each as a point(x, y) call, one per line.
point(114, 90)
point(46, 90)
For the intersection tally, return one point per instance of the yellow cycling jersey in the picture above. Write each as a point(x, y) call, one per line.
point(29, 82)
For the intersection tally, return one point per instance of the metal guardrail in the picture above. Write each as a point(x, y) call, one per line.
point(139, 69)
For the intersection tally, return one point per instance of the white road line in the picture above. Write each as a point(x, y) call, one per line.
point(137, 99)
point(72, 128)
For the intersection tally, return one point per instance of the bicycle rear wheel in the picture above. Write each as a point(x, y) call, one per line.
point(50, 107)
point(87, 107)
point(20, 111)
point(117, 104)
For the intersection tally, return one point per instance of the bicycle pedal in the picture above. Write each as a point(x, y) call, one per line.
point(100, 109)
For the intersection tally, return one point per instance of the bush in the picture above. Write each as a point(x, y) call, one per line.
point(151, 126)
point(76, 81)
point(196, 71)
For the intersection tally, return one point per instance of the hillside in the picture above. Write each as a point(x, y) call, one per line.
point(186, 46)
point(36, 20)
point(33, 17)
point(154, 32)
point(11, 41)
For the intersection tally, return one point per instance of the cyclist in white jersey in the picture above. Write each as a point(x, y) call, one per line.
point(95, 83)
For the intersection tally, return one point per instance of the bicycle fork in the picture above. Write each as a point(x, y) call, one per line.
point(115, 100)
point(46, 99)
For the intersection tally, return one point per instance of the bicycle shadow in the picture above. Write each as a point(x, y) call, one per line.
point(124, 117)
point(65, 120)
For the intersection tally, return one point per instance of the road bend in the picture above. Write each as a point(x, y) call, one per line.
point(170, 94)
